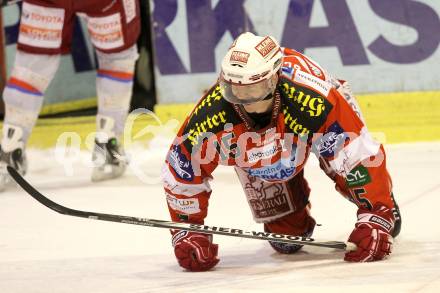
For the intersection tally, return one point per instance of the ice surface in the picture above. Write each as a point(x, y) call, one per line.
point(42, 251)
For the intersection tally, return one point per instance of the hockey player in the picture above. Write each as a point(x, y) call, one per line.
point(269, 109)
point(45, 33)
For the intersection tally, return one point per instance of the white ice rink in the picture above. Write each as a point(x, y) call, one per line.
point(42, 251)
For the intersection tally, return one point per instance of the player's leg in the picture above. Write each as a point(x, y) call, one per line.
point(282, 207)
point(114, 88)
point(298, 223)
point(40, 42)
point(113, 33)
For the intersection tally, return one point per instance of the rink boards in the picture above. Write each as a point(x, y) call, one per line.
point(392, 118)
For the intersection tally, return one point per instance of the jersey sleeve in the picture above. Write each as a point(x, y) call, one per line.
point(186, 178)
point(351, 157)
point(191, 159)
point(295, 60)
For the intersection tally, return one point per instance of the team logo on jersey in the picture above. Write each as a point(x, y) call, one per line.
point(185, 205)
point(202, 121)
point(359, 176)
point(293, 124)
point(304, 110)
point(209, 117)
point(263, 152)
point(317, 84)
point(180, 164)
point(268, 201)
point(287, 71)
point(313, 105)
point(331, 142)
point(208, 100)
point(274, 172)
point(280, 170)
point(208, 124)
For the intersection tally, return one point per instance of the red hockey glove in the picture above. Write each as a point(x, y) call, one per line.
point(372, 235)
point(195, 252)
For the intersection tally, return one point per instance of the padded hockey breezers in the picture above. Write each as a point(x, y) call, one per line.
point(297, 224)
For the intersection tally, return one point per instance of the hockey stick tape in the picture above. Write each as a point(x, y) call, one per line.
point(350, 246)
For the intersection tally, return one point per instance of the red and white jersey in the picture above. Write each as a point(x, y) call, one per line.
point(309, 115)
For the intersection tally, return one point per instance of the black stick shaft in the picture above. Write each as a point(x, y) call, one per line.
point(169, 224)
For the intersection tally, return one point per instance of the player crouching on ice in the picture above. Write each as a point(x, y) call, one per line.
point(269, 109)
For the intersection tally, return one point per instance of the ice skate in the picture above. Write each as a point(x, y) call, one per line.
point(109, 160)
point(309, 224)
point(11, 154)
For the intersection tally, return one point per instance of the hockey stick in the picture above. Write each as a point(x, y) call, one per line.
point(172, 225)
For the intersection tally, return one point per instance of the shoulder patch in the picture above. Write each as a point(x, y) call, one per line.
point(358, 176)
point(180, 163)
point(306, 79)
point(287, 71)
point(305, 110)
point(209, 116)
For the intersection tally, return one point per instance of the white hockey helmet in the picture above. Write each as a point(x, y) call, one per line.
point(248, 68)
